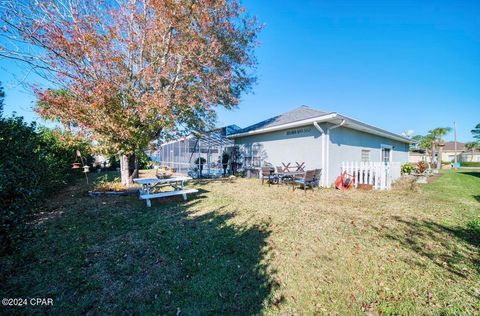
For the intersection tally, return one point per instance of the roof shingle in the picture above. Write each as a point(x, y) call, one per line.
point(301, 113)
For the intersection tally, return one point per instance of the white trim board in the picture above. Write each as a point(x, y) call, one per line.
point(334, 118)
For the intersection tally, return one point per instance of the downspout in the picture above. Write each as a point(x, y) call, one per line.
point(327, 134)
point(323, 151)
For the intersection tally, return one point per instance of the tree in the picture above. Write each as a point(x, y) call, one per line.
point(130, 71)
point(2, 98)
point(425, 143)
point(436, 135)
point(472, 146)
point(476, 132)
point(416, 145)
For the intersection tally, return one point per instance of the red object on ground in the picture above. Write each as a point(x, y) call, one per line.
point(344, 181)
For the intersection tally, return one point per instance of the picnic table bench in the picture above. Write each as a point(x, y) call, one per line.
point(150, 188)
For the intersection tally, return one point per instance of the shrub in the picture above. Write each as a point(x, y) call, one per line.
point(33, 163)
point(20, 178)
point(406, 183)
point(421, 166)
point(114, 162)
point(474, 227)
point(407, 168)
point(104, 184)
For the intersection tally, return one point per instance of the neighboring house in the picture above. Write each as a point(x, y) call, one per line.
point(320, 140)
point(416, 156)
point(463, 154)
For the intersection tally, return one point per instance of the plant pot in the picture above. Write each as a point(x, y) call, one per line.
point(364, 186)
point(420, 177)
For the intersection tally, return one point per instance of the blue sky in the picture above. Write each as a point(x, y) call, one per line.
point(399, 65)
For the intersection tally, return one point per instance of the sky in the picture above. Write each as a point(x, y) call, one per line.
point(398, 65)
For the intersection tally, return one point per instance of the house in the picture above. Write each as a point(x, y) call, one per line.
point(318, 139)
point(417, 156)
point(463, 154)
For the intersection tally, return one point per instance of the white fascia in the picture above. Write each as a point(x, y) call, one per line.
point(323, 137)
point(309, 121)
point(327, 170)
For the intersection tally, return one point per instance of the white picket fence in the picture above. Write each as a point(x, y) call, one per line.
point(379, 174)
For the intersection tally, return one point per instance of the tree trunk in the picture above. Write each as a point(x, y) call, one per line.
point(124, 170)
point(128, 169)
point(439, 158)
point(432, 158)
point(133, 168)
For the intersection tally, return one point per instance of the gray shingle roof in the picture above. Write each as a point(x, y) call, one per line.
point(451, 146)
point(301, 113)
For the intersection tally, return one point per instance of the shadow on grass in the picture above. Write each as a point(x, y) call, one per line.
point(204, 181)
point(472, 173)
point(450, 248)
point(114, 256)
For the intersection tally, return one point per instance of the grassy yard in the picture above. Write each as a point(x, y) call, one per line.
point(243, 248)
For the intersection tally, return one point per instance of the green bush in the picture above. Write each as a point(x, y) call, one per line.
point(20, 181)
point(407, 168)
point(470, 163)
point(144, 161)
point(474, 227)
point(33, 163)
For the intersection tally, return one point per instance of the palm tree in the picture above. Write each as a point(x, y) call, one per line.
point(424, 143)
point(437, 135)
point(476, 132)
point(472, 146)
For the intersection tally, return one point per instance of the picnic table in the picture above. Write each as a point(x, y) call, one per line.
point(289, 175)
point(300, 166)
point(150, 188)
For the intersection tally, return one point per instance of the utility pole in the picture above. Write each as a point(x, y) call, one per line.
point(455, 143)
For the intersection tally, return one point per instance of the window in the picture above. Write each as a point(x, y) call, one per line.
point(256, 155)
point(252, 154)
point(365, 155)
point(386, 153)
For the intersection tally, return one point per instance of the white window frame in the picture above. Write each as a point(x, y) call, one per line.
point(382, 146)
point(369, 155)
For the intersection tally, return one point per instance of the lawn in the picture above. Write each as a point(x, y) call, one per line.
point(242, 248)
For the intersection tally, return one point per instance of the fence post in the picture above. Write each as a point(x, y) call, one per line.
point(383, 183)
point(388, 170)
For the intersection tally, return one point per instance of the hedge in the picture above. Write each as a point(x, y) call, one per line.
point(33, 163)
point(470, 163)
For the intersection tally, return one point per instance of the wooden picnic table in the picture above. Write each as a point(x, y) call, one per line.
point(300, 166)
point(150, 188)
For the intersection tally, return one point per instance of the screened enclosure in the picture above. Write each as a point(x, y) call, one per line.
point(208, 155)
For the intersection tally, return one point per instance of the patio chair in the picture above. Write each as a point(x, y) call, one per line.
point(279, 173)
point(318, 174)
point(268, 175)
point(310, 178)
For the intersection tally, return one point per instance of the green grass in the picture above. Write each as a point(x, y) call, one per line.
point(470, 163)
point(242, 248)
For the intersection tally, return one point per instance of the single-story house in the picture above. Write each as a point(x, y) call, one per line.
point(463, 154)
point(320, 140)
point(417, 156)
